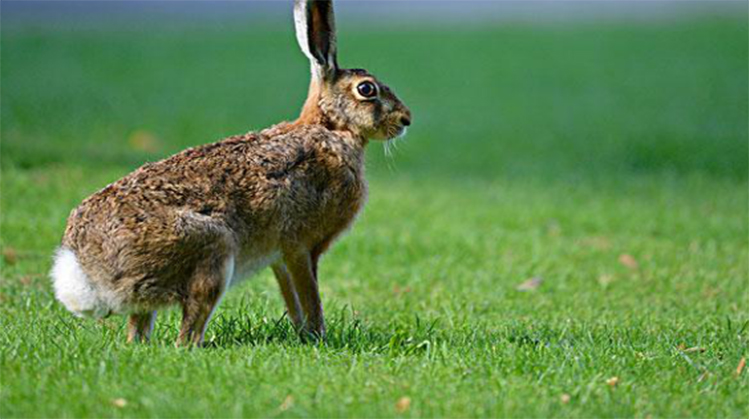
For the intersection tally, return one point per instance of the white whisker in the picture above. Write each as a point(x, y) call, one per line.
point(391, 144)
point(387, 148)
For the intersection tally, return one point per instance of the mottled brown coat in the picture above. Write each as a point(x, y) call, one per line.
point(178, 231)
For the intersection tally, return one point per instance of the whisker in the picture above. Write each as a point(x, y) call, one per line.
point(395, 140)
point(391, 144)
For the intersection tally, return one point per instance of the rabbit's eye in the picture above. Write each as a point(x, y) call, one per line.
point(367, 89)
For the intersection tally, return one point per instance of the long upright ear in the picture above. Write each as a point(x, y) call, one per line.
point(316, 34)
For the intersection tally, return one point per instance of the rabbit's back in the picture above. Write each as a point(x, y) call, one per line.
point(140, 237)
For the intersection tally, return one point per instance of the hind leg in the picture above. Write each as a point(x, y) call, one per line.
point(203, 294)
point(140, 326)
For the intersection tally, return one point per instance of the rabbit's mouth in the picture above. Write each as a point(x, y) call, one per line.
point(398, 128)
point(393, 126)
point(390, 132)
point(400, 132)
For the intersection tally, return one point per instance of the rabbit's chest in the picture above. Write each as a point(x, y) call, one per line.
point(341, 209)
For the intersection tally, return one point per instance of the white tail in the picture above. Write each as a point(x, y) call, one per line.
point(73, 288)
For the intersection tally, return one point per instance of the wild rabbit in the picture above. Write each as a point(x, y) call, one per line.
point(181, 230)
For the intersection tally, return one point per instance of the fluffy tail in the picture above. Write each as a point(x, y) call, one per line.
point(73, 288)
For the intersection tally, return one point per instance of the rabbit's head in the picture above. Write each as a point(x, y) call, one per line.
point(343, 99)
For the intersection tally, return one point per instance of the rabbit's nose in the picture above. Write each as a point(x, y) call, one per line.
point(406, 121)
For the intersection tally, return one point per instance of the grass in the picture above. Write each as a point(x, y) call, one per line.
point(609, 161)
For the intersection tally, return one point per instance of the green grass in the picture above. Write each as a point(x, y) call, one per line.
point(549, 151)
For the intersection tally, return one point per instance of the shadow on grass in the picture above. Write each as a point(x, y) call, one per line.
point(428, 338)
point(344, 332)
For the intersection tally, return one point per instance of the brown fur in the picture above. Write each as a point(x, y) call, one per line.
point(165, 234)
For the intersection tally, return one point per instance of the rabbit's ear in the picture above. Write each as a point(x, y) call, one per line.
point(316, 34)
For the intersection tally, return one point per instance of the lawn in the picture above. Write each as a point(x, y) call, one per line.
point(564, 231)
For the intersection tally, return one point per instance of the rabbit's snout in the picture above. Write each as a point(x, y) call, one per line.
point(403, 115)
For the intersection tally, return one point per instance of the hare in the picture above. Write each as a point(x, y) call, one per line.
point(182, 230)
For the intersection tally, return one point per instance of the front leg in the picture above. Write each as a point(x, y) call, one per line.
point(293, 309)
point(299, 263)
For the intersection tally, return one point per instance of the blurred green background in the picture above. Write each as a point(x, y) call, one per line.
point(491, 100)
point(569, 206)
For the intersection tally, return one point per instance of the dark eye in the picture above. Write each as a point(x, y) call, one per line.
point(367, 89)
